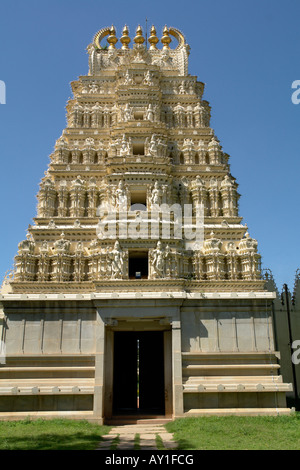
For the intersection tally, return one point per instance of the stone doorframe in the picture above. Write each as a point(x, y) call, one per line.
point(109, 348)
point(137, 316)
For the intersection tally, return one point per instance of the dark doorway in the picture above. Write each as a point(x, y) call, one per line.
point(138, 265)
point(138, 378)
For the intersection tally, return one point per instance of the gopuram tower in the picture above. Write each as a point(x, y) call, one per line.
point(138, 289)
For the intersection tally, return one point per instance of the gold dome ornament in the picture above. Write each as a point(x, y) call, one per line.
point(153, 39)
point(139, 39)
point(125, 39)
point(112, 39)
point(166, 38)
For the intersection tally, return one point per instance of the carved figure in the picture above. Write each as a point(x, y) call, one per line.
point(148, 78)
point(156, 196)
point(125, 147)
point(127, 113)
point(117, 266)
point(150, 113)
point(121, 196)
point(158, 260)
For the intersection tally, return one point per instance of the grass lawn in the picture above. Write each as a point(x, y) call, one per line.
point(55, 434)
point(237, 433)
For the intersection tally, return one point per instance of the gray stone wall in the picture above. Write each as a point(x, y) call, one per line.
point(57, 328)
point(227, 326)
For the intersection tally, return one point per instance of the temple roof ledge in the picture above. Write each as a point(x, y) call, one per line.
point(140, 295)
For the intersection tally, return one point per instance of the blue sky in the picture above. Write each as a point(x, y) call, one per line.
point(245, 51)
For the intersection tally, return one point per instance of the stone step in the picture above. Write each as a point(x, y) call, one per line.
point(238, 412)
point(122, 420)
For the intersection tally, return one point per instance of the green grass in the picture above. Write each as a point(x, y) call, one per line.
point(115, 443)
point(137, 440)
point(237, 432)
point(205, 433)
point(54, 434)
point(159, 442)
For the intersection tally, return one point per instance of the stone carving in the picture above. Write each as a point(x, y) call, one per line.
point(27, 246)
point(179, 115)
point(158, 260)
point(148, 78)
point(229, 197)
point(196, 291)
point(150, 113)
point(155, 146)
point(117, 262)
point(93, 88)
point(121, 197)
point(156, 195)
point(214, 258)
point(47, 198)
point(96, 116)
point(173, 122)
point(127, 79)
point(125, 147)
point(61, 245)
point(199, 194)
point(250, 259)
point(127, 113)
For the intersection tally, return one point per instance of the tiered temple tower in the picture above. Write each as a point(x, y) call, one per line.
point(138, 252)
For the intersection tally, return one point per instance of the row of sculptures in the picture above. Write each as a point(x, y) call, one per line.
point(81, 198)
point(97, 262)
point(132, 78)
point(104, 116)
point(187, 152)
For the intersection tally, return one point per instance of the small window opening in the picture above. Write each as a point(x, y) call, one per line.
point(139, 115)
point(138, 265)
point(138, 200)
point(138, 149)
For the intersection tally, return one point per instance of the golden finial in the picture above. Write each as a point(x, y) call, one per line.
point(139, 36)
point(153, 39)
point(166, 38)
point(125, 39)
point(112, 40)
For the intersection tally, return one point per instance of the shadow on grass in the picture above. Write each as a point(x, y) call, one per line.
point(78, 441)
point(50, 435)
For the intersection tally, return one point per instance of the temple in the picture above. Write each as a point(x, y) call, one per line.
point(138, 289)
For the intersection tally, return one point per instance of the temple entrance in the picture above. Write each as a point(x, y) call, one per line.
point(138, 378)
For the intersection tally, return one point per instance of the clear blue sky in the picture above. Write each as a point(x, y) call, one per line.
point(247, 54)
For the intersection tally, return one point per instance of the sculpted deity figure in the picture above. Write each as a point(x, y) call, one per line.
point(127, 79)
point(121, 196)
point(62, 245)
point(153, 146)
point(117, 265)
point(93, 88)
point(148, 78)
point(127, 113)
point(125, 147)
point(162, 147)
point(150, 113)
point(158, 260)
point(182, 90)
point(156, 195)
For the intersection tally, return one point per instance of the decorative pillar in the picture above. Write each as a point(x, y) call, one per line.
point(177, 366)
point(77, 195)
point(99, 368)
point(229, 197)
point(47, 199)
point(214, 197)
